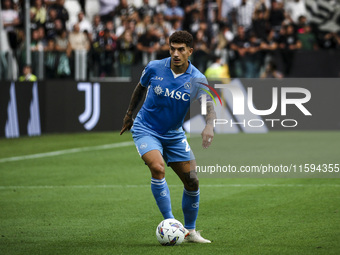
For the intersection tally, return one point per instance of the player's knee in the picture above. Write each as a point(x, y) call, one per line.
point(157, 170)
point(192, 183)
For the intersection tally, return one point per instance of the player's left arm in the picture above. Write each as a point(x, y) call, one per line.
point(208, 131)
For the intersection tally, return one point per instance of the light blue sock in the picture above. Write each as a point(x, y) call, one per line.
point(160, 191)
point(190, 204)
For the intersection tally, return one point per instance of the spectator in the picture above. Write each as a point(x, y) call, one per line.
point(288, 43)
point(176, 25)
point(162, 26)
point(148, 44)
point(161, 6)
point(78, 40)
point(51, 24)
point(239, 49)
point(84, 23)
point(160, 32)
point(270, 43)
point(63, 51)
point(191, 8)
point(276, 16)
point(227, 33)
point(302, 22)
point(104, 49)
point(226, 9)
point(42, 36)
point(164, 49)
point(97, 27)
point(224, 37)
point(328, 40)
point(107, 9)
point(21, 48)
point(307, 38)
point(63, 47)
point(238, 44)
point(58, 25)
point(126, 53)
point(212, 30)
point(79, 44)
point(146, 10)
point(201, 51)
point(217, 71)
point(109, 25)
point(142, 25)
point(173, 12)
point(38, 13)
point(51, 60)
point(195, 22)
point(128, 25)
point(27, 74)
point(126, 11)
point(62, 13)
point(50, 45)
point(132, 28)
point(259, 24)
point(61, 42)
point(244, 14)
point(254, 57)
point(269, 46)
point(36, 41)
point(122, 27)
point(10, 20)
point(206, 30)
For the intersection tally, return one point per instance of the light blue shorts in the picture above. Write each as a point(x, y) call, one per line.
point(173, 146)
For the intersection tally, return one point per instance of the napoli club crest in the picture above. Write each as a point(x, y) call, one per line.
point(187, 85)
point(143, 146)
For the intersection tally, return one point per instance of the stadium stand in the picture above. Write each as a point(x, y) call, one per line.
point(295, 26)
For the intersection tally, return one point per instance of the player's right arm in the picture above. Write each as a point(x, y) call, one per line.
point(136, 97)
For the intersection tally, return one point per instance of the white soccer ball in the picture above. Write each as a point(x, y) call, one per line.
point(170, 232)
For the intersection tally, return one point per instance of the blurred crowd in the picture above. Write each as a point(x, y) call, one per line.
point(242, 34)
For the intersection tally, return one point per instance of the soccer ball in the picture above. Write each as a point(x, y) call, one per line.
point(170, 232)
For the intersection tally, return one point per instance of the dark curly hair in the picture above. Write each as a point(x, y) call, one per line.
point(182, 37)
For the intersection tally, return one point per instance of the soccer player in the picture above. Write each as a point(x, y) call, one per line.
point(170, 84)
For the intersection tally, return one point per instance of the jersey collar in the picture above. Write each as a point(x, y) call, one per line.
point(168, 62)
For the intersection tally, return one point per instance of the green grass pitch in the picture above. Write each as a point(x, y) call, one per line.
point(85, 198)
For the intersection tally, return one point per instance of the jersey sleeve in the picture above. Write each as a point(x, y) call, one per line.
point(201, 87)
point(146, 75)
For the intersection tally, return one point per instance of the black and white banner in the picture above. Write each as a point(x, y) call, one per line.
point(29, 109)
point(20, 112)
point(324, 13)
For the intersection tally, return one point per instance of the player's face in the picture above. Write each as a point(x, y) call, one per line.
point(180, 53)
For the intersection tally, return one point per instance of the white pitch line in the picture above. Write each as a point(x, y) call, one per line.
point(147, 186)
point(68, 151)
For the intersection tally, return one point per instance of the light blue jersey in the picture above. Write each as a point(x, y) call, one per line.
point(168, 98)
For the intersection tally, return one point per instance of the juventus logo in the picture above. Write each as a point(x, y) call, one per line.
point(91, 114)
